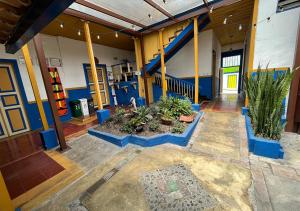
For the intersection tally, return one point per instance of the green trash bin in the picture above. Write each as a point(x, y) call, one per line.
point(75, 108)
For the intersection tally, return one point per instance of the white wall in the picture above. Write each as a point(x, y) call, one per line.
point(73, 54)
point(275, 40)
point(182, 63)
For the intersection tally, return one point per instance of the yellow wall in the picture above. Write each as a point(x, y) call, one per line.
point(151, 40)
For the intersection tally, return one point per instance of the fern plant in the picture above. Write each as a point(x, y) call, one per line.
point(266, 91)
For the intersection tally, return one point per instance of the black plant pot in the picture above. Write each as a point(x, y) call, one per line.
point(139, 128)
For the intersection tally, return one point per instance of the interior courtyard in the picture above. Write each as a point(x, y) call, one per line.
point(149, 105)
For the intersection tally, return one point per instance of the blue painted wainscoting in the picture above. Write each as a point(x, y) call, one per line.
point(205, 86)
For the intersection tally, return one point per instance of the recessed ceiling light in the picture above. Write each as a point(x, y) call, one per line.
point(150, 16)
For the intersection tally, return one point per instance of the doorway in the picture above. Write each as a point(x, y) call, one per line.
point(231, 64)
point(13, 119)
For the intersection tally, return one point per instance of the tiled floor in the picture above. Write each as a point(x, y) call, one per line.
point(29, 172)
point(226, 103)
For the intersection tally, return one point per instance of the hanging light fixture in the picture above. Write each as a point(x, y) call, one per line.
point(150, 16)
point(79, 32)
point(211, 9)
point(225, 21)
point(240, 27)
point(133, 27)
point(165, 1)
point(61, 25)
point(116, 34)
point(98, 37)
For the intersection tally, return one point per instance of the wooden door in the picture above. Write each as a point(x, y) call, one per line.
point(13, 119)
point(101, 72)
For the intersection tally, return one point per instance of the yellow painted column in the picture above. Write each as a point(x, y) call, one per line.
point(252, 42)
point(138, 65)
point(196, 59)
point(93, 65)
point(34, 85)
point(5, 201)
point(162, 60)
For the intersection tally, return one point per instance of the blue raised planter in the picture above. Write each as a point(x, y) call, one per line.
point(245, 110)
point(103, 115)
point(260, 146)
point(178, 139)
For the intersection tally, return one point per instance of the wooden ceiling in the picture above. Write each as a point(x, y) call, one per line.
point(10, 13)
point(71, 26)
point(236, 14)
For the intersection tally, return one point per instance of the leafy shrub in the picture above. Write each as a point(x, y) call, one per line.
point(176, 106)
point(266, 92)
point(127, 128)
point(118, 117)
point(178, 127)
point(153, 125)
point(142, 113)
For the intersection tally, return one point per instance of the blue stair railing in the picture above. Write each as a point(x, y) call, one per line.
point(177, 86)
point(177, 43)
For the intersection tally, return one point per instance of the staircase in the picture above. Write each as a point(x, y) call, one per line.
point(175, 87)
point(176, 42)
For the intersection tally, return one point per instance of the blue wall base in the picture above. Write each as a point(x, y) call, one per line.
point(141, 101)
point(196, 107)
point(178, 139)
point(49, 138)
point(103, 115)
point(260, 146)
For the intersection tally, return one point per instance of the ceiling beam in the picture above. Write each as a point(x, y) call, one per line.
point(38, 15)
point(96, 20)
point(188, 14)
point(108, 12)
point(159, 8)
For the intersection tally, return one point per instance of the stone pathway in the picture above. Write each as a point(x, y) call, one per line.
point(215, 165)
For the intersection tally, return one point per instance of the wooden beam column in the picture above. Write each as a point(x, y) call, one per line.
point(252, 42)
point(34, 85)
point(93, 65)
point(138, 65)
point(49, 91)
point(144, 71)
point(5, 200)
point(162, 61)
point(196, 59)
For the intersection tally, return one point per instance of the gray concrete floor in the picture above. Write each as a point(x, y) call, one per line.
point(216, 156)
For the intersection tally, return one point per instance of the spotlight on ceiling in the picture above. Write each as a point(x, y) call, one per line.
point(79, 32)
point(116, 34)
point(211, 9)
point(240, 27)
point(61, 25)
point(98, 37)
point(225, 21)
point(165, 1)
point(150, 16)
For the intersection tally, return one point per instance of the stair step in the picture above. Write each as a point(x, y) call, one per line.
point(172, 38)
point(155, 55)
point(178, 31)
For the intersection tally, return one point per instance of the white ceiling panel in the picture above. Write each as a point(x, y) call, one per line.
point(102, 16)
point(175, 7)
point(136, 10)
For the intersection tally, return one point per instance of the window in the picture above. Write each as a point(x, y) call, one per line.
point(284, 5)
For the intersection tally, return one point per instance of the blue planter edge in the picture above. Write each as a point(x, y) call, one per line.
point(260, 146)
point(178, 139)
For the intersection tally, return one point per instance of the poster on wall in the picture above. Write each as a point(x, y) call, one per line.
point(58, 91)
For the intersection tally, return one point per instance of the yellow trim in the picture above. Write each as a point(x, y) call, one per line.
point(196, 58)
point(34, 86)
point(93, 65)
point(162, 60)
point(252, 42)
point(5, 201)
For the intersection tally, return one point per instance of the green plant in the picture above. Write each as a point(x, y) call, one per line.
point(127, 128)
point(153, 125)
point(118, 117)
point(141, 113)
point(266, 91)
point(175, 106)
point(178, 127)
